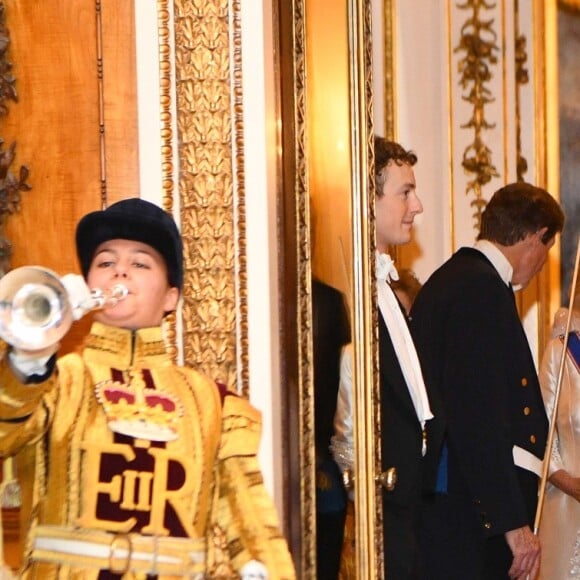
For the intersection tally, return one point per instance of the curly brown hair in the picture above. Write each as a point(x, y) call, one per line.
point(385, 152)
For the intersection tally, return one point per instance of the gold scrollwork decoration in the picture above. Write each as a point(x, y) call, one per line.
point(166, 118)
point(208, 79)
point(389, 71)
point(368, 120)
point(302, 264)
point(478, 43)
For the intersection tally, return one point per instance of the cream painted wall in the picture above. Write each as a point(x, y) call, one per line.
point(422, 97)
point(148, 97)
point(260, 127)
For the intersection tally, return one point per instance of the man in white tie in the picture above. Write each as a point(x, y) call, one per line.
point(405, 407)
point(477, 360)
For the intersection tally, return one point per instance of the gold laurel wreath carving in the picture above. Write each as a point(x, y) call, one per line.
point(478, 44)
point(208, 79)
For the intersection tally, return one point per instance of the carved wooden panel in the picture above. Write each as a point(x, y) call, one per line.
point(56, 125)
point(56, 122)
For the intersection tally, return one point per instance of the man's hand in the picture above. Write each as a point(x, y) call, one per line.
point(526, 550)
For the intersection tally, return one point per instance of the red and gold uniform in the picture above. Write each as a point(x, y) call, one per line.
point(144, 469)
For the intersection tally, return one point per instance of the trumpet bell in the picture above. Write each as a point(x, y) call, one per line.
point(35, 311)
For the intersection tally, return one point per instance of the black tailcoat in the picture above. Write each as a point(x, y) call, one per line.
point(401, 448)
point(476, 358)
point(331, 331)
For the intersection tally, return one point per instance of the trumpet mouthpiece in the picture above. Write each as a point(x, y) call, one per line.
point(108, 298)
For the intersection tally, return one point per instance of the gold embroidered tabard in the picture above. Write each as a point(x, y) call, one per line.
point(131, 446)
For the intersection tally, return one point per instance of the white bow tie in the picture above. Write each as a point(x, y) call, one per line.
point(386, 268)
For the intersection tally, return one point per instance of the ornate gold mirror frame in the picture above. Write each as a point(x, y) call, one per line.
point(368, 499)
point(296, 232)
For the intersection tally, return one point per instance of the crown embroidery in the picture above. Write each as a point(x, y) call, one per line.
point(139, 412)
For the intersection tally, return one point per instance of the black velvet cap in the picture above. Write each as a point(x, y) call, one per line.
point(132, 219)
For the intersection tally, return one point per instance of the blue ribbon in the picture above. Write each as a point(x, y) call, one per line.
point(574, 348)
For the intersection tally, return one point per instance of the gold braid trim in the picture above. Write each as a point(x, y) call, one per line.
point(245, 510)
point(241, 428)
point(244, 519)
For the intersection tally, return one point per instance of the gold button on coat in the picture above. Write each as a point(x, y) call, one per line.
point(533, 438)
point(524, 382)
point(527, 410)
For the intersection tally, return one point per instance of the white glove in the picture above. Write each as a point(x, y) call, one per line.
point(6, 573)
point(254, 570)
point(79, 294)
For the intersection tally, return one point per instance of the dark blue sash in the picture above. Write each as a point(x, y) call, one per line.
point(574, 348)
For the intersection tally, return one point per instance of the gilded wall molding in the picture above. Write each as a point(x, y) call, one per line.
point(209, 124)
point(390, 59)
point(478, 44)
point(376, 550)
point(304, 325)
point(167, 150)
point(241, 285)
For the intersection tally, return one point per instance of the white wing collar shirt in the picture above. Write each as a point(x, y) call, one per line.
point(499, 261)
point(392, 314)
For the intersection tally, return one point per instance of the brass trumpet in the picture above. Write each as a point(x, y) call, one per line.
point(37, 307)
